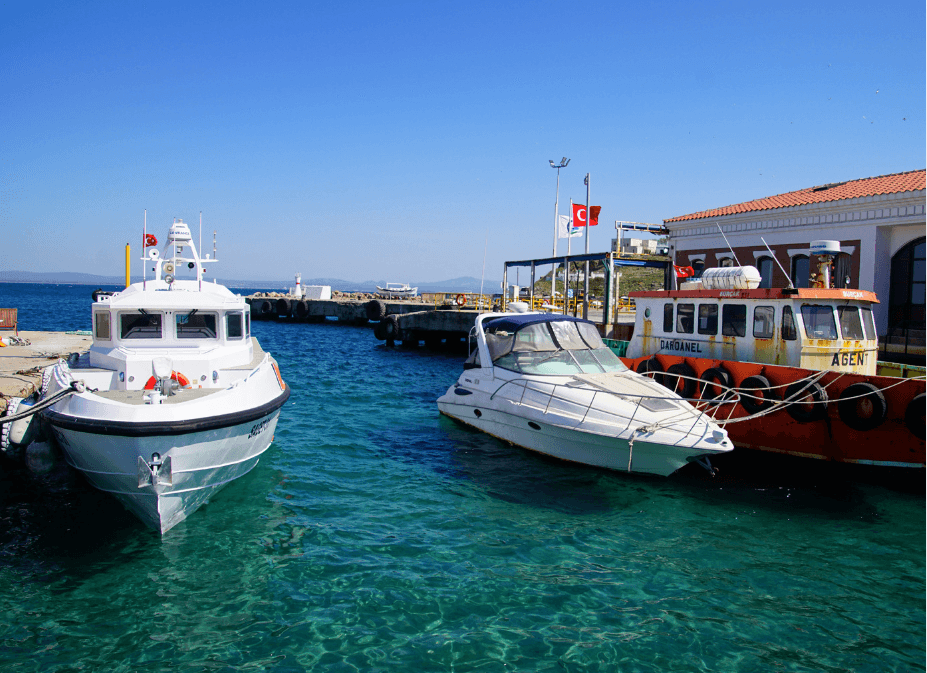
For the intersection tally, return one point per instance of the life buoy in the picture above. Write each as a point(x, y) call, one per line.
point(716, 381)
point(758, 395)
point(914, 416)
point(176, 376)
point(460, 300)
point(862, 406)
point(680, 378)
point(810, 404)
point(652, 366)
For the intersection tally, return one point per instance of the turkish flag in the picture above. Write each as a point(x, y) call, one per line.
point(579, 215)
point(684, 271)
point(150, 240)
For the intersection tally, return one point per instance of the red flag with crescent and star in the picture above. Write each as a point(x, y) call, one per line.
point(579, 215)
point(684, 271)
point(150, 240)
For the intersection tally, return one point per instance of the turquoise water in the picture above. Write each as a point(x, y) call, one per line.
point(376, 535)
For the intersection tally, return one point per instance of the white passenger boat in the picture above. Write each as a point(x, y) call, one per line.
point(175, 399)
point(397, 291)
point(548, 383)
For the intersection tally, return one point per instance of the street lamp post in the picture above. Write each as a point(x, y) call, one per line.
point(553, 267)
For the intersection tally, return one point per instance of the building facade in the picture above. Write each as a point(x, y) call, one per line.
point(879, 222)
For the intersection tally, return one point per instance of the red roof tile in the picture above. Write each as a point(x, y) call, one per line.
point(884, 184)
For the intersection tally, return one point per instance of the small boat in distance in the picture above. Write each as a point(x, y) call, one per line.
point(397, 291)
point(548, 383)
point(175, 398)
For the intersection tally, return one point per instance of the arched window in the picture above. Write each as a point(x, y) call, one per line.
point(726, 261)
point(698, 265)
point(765, 267)
point(800, 270)
point(906, 299)
point(841, 277)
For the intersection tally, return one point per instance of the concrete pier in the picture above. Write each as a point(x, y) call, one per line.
point(21, 365)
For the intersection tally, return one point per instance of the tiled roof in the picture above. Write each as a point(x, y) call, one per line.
point(884, 184)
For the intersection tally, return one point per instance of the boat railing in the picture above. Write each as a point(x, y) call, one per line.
point(684, 411)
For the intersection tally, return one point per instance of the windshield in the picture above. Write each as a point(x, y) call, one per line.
point(556, 348)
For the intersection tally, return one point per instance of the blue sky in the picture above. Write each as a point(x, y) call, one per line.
point(391, 140)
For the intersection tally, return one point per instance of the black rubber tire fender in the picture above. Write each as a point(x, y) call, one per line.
point(302, 309)
point(811, 412)
point(391, 326)
point(914, 416)
point(379, 331)
point(651, 364)
point(756, 387)
point(283, 307)
point(862, 413)
point(713, 377)
point(375, 309)
point(265, 307)
point(684, 387)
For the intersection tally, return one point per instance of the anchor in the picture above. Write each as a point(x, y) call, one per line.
point(156, 473)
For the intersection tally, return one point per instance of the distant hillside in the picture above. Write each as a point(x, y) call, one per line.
point(463, 284)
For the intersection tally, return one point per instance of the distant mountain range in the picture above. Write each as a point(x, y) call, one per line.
point(463, 284)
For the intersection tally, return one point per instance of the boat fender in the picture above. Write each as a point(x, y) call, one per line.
point(810, 406)
point(302, 309)
point(862, 406)
point(23, 430)
point(758, 395)
point(681, 379)
point(460, 300)
point(716, 381)
point(653, 365)
point(176, 376)
point(914, 416)
point(375, 309)
point(379, 331)
point(391, 328)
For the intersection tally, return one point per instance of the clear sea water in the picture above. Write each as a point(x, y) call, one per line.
point(376, 535)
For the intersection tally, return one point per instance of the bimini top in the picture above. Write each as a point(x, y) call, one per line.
point(516, 321)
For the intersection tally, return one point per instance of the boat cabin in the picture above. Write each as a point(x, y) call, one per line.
point(813, 328)
point(202, 325)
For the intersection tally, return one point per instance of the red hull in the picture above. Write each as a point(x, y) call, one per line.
point(896, 441)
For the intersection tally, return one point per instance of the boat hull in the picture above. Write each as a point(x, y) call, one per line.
point(891, 442)
point(578, 444)
point(201, 463)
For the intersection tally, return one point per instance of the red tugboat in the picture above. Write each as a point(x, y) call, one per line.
point(789, 371)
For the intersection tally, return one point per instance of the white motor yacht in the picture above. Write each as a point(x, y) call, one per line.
point(548, 383)
point(174, 399)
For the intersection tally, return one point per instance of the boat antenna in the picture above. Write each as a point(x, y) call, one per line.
point(214, 250)
point(791, 287)
point(144, 248)
point(728, 244)
point(199, 253)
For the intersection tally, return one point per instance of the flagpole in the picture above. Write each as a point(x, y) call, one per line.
point(553, 267)
point(586, 265)
point(144, 250)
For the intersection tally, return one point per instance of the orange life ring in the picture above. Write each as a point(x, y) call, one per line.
point(177, 376)
point(460, 300)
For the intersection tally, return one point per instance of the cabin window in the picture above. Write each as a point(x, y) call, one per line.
point(140, 325)
point(765, 267)
point(850, 325)
point(101, 326)
point(698, 266)
point(708, 319)
point(801, 269)
point(685, 318)
point(764, 322)
point(734, 320)
point(819, 322)
point(789, 333)
point(194, 325)
point(868, 324)
point(667, 318)
point(234, 326)
point(725, 262)
point(248, 324)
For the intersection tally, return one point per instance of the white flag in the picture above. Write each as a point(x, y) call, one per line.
point(564, 230)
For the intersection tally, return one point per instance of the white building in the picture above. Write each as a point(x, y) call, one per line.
point(879, 221)
point(636, 246)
